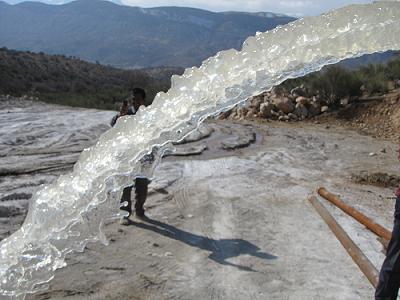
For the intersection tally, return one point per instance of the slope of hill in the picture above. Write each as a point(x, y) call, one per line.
point(126, 36)
point(71, 81)
point(375, 58)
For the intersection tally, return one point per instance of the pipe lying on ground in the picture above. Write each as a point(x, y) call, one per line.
point(354, 251)
point(360, 217)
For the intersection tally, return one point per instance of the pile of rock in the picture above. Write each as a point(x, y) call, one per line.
point(281, 105)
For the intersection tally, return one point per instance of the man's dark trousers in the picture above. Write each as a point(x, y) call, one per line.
point(141, 185)
point(389, 277)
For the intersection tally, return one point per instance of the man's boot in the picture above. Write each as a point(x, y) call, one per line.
point(126, 197)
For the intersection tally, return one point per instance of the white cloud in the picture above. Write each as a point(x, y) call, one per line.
point(292, 7)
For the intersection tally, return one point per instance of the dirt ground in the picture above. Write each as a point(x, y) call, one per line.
point(375, 116)
point(237, 224)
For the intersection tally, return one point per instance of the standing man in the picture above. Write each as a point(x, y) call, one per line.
point(137, 99)
point(389, 277)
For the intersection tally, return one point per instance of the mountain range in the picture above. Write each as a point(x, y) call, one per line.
point(125, 36)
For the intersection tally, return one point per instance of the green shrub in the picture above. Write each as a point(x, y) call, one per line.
point(393, 69)
point(374, 78)
point(334, 84)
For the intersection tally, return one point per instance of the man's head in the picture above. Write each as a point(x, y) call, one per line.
point(139, 97)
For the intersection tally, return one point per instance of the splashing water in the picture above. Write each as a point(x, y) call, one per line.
point(69, 213)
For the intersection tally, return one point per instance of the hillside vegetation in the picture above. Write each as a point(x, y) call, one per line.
point(71, 81)
point(335, 82)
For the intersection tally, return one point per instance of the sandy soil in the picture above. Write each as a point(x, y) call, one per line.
point(237, 224)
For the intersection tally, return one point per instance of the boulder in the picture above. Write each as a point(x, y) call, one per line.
point(299, 91)
point(303, 100)
point(242, 112)
point(314, 109)
point(233, 115)
point(278, 91)
point(275, 115)
point(284, 104)
point(224, 115)
point(255, 102)
point(324, 109)
point(345, 101)
point(266, 110)
point(283, 118)
point(251, 113)
point(301, 111)
point(266, 98)
point(293, 117)
point(318, 99)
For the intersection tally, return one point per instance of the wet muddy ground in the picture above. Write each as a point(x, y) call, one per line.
point(39, 142)
point(236, 223)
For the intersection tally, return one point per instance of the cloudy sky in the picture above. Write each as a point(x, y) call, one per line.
point(291, 7)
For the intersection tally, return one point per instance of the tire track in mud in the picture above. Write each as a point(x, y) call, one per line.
point(190, 260)
point(231, 279)
point(223, 268)
point(211, 278)
point(181, 199)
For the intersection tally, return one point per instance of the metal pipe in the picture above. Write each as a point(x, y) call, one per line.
point(360, 217)
point(354, 251)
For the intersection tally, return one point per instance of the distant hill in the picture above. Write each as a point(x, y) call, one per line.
point(128, 37)
point(71, 81)
point(375, 58)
